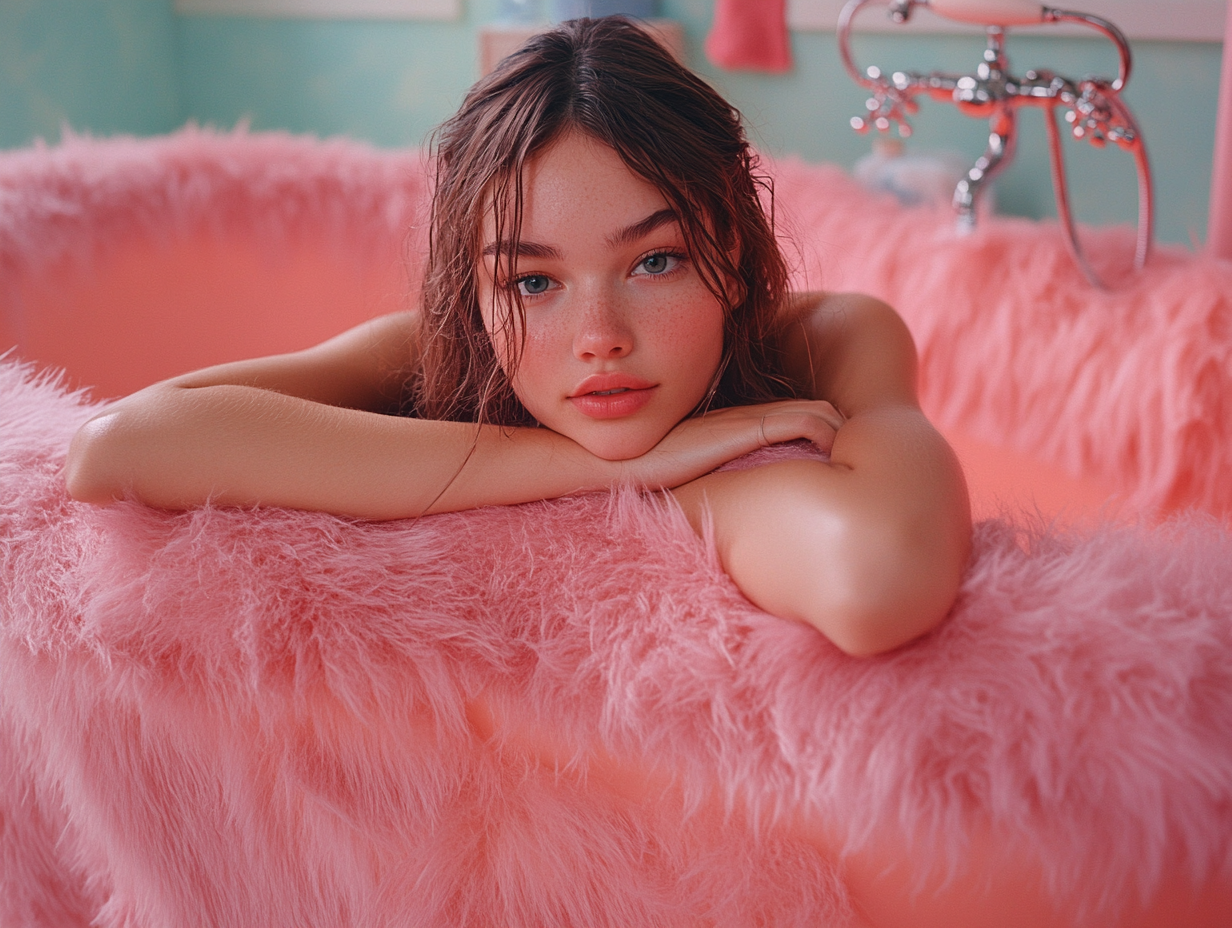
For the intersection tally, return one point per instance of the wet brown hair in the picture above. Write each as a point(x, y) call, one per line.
point(609, 79)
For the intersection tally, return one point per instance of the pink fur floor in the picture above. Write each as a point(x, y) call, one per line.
point(564, 713)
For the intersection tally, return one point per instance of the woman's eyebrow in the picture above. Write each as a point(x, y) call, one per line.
point(525, 249)
point(625, 236)
point(630, 234)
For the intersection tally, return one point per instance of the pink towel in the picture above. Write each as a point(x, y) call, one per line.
point(750, 35)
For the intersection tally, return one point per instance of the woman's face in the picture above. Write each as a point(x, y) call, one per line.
point(622, 338)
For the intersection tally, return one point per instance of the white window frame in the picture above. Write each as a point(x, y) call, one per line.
point(1165, 20)
point(325, 9)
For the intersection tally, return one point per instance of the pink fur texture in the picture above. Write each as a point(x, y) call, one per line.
point(1131, 384)
point(565, 714)
point(71, 201)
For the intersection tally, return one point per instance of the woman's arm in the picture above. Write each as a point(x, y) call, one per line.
point(306, 430)
point(870, 547)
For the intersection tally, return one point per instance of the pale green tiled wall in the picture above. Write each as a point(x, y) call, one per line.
point(99, 65)
point(135, 66)
point(386, 82)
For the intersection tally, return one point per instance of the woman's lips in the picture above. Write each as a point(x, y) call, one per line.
point(611, 396)
point(624, 402)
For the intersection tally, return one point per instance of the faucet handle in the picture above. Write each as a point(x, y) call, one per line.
point(888, 106)
point(1098, 116)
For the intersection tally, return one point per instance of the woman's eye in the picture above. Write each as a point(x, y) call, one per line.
point(534, 284)
point(659, 263)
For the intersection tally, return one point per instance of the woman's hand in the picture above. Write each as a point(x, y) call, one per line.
point(702, 443)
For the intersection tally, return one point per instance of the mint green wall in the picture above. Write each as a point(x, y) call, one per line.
point(386, 82)
point(135, 66)
point(99, 65)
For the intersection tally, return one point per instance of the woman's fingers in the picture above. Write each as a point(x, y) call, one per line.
point(773, 423)
point(715, 438)
point(700, 444)
point(816, 421)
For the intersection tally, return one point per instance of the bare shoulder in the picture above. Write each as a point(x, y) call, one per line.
point(850, 348)
point(392, 336)
point(825, 317)
point(830, 306)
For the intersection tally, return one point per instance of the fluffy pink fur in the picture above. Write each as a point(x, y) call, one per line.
point(1131, 384)
point(70, 201)
point(564, 713)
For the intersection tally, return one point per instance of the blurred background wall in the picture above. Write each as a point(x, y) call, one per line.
point(141, 67)
point(99, 66)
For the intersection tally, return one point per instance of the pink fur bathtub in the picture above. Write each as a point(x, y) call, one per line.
point(564, 713)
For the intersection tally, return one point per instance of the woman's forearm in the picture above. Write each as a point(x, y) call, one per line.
point(177, 447)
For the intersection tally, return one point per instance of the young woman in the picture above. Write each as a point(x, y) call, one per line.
point(604, 303)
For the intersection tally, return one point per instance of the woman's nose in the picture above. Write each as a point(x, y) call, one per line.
point(603, 332)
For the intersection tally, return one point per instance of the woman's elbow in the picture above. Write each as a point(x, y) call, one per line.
point(866, 630)
point(892, 585)
point(89, 474)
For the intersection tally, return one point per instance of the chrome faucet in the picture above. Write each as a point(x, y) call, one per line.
point(1093, 106)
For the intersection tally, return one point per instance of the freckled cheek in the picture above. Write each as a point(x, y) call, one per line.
point(692, 332)
point(538, 370)
point(531, 380)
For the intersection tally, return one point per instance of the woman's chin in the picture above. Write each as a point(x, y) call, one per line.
point(624, 453)
point(612, 447)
